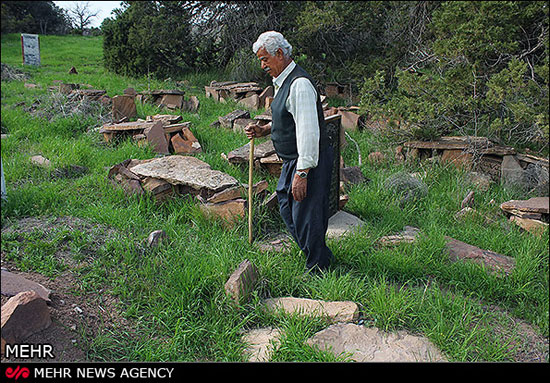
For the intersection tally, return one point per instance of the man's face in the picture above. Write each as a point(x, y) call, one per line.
point(273, 65)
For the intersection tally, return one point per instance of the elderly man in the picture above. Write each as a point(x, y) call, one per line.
point(299, 137)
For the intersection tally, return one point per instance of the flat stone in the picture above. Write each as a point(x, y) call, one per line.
point(261, 343)
point(185, 170)
point(23, 315)
point(241, 155)
point(227, 120)
point(343, 223)
point(540, 205)
point(496, 263)
point(533, 226)
point(374, 345)
point(13, 284)
point(342, 311)
point(242, 281)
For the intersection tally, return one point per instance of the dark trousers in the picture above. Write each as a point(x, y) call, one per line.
point(307, 221)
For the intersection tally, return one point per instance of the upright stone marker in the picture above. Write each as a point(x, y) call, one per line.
point(30, 49)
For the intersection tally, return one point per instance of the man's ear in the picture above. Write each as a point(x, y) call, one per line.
point(279, 53)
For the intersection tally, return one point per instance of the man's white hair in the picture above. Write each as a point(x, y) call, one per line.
point(272, 41)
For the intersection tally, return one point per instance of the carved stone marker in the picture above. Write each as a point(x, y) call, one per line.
point(30, 46)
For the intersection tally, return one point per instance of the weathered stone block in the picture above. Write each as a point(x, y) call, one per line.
point(242, 282)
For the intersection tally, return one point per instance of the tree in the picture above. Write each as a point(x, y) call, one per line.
point(42, 17)
point(82, 15)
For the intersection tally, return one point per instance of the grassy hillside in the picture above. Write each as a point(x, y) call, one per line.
point(170, 303)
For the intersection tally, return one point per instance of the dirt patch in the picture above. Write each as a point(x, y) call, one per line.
point(78, 316)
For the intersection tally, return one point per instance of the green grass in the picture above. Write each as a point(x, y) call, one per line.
point(173, 295)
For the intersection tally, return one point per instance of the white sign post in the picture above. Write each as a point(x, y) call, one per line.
point(30, 47)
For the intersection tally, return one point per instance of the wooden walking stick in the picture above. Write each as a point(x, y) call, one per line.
point(250, 167)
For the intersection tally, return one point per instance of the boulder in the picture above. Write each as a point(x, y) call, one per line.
point(13, 284)
point(23, 315)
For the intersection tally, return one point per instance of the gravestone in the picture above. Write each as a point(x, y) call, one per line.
point(30, 46)
point(333, 127)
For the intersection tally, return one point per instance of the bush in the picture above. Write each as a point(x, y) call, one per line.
point(148, 38)
point(484, 73)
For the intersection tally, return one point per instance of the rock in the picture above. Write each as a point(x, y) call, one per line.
point(40, 161)
point(73, 70)
point(155, 237)
point(352, 175)
point(123, 106)
point(342, 311)
point(410, 188)
point(156, 137)
point(130, 92)
point(343, 223)
point(186, 170)
point(481, 181)
point(533, 226)
point(241, 155)
point(227, 120)
point(191, 105)
point(534, 208)
point(350, 120)
point(261, 343)
point(457, 157)
point(242, 282)
point(229, 211)
point(374, 345)
point(252, 102)
point(271, 202)
point(496, 263)
point(268, 92)
point(512, 174)
point(185, 142)
point(536, 177)
point(13, 284)
point(406, 236)
point(23, 315)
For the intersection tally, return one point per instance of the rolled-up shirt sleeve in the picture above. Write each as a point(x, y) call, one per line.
point(302, 104)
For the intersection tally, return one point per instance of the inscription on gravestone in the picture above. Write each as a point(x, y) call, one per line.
point(30, 47)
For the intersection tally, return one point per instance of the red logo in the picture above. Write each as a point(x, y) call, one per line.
point(18, 372)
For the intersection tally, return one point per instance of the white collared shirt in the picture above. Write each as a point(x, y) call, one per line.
point(302, 104)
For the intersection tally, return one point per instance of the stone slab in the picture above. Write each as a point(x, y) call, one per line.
point(370, 344)
point(261, 343)
point(185, 170)
point(339, 311)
